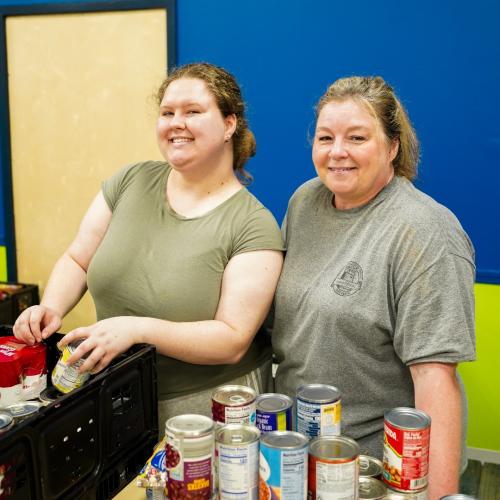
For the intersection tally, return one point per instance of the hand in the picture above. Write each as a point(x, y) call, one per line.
point(36, 323)
point(102, 342)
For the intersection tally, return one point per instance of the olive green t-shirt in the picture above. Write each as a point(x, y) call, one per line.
point(156, 263)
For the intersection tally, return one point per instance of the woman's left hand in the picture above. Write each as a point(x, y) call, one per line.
point(102, 341)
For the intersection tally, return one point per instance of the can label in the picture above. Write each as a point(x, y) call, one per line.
point(238, 471)
point(188, 477)
point(406, 458)
point(275, 421)
point(224, 414)
point(283, 473)
point(66, 378)
point(333, 480)
point(318, 419)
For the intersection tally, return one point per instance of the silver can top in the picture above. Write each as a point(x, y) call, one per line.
point(24, 409)
point(284, 440)
point(318, 393)
point(271, 402)
point(234, 395)
point(371, 488)
point(237, 434)
point(190, 425)
point(458, 496)
point(370, 466)
point(333, 448)
point(6, 421)
point(407, 418)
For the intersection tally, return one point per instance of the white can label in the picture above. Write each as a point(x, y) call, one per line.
point(337, 481)
point(315, 419)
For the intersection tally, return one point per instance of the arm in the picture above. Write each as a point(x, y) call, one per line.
point(248, 287)
point(68, 280)
point(437, 393)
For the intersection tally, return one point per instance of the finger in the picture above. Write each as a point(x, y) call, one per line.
point(74, 335)
point(22, 330)
point(53, 325)
point(34, 322)
point(92, 360)
point(83, 350)
point(103, 363)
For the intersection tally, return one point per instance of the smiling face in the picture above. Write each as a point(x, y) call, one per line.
point(191, 130)
point(351, 153)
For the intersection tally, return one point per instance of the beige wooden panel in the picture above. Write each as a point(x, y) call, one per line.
point(81, 107)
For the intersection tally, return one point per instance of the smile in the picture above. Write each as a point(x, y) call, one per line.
point(341, 169)
point(180, 140)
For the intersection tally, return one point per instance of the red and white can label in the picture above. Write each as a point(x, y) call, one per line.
point(224, 414)
point(406, 457)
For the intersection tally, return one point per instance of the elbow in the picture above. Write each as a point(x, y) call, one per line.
point(236, 356)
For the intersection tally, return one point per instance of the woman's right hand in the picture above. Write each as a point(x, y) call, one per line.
point(36, 323)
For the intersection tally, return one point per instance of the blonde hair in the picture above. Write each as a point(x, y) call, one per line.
point(382, 102)
point(226, 91)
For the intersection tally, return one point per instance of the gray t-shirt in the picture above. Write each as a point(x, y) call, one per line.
point(156, 263)
point(366, 292)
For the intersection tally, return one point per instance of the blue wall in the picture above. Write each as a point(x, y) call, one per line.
point(442, 58)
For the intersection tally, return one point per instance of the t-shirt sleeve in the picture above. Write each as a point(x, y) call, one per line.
point(113, 187)
point(435, 314)
point(260, 232)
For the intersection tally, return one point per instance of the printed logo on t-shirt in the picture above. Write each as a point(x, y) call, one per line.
point(349, 280)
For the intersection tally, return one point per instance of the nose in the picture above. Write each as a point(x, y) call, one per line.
point(338, 150)
point(177, 120)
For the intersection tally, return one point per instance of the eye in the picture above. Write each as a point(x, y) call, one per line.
point(357, 138)
point(164, 112)
point(193, 112)
point(324, 138)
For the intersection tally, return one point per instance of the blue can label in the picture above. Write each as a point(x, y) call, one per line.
point(283, 473)
point(276, 421)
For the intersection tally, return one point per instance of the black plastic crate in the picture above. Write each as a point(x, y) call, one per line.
point(91, 442)
point(15, 300)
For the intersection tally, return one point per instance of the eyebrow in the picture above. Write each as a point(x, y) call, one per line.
point(349, 129)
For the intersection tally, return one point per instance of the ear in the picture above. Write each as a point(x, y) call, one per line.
point(393, 152)
point(230, 121)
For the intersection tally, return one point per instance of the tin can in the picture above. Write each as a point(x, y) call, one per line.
point(283, 466)
point(67, 378)
point(6, 421)
point(333, 468)
point(274, 412)
point(189, 457)
point(237, 452)
point(458, 496)
point(233, 404)
point(370, 467)
point(406, 449)
point(20, 411)
point(398, 495)
point(49, 395)
point(371, 488)
point(318, 410)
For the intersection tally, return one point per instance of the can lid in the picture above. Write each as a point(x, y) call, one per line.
point(237, 434)
point(371, 488)
point(458, 496)
point(284, 440)
point(234, 395)
point(49, 394)
point(394, 495)
point(369, 466)
point(407, 418)
point(273, 402)
point(333, 447)
point(6, 420)
point(190, 425)
point(318, 393)
point(24, 409)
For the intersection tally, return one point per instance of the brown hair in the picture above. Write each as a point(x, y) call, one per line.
point(382, 102)
point(223, 86)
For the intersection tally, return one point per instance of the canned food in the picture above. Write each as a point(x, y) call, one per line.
point(370, 467)
point(371, 488)
point(318, 410)
point(49, 395)
point(67, 378)
point(6, 421)
point(406, 449)
point(189, 457)
point(233, 404)
point(274, 412)
point(237, 452)
point(458, 496)
point(20, 411)
point(283, 466)
point(398, 495)
point(333, 468)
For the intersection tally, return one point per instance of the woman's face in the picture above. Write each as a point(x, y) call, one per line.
point(351, 153)
point(191, 130)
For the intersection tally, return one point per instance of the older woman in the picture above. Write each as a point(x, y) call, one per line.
point(176, 253)
point(376, 294)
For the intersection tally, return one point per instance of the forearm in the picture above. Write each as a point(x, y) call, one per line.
point(208, 342)
point(440, 398)
point(66, 285)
